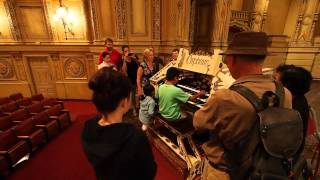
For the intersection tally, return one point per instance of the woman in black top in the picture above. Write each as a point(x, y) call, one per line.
point(297, 80)
point(115, 149)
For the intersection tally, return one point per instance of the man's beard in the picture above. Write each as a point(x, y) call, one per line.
point(110, 48)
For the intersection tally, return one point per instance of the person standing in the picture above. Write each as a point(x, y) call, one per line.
point(106, 61)
point(115, 149)
point(146, 70)
point(115, 56)
point(130, 67)
point(229, 116)
point(174, 55)
point(297, 80)
point(156, 59)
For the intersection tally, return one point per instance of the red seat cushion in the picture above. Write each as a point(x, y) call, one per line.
point(20, 115)
point(55, 110)
point(10, 107)
point(37, 97)
point(41, 118)
point(6, 123)
point(24, 102)
point(16, 96)
point(35, 108)
point(25, 128)
point(4, 100)
point(7, 140)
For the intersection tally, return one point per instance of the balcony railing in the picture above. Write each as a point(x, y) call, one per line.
point(240, 15)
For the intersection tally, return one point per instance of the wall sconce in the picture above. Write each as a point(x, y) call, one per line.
point(63, 15)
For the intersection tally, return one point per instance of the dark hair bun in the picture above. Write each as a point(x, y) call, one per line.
point(109, 88)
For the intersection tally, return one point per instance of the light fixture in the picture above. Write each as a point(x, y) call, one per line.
point(63, 15)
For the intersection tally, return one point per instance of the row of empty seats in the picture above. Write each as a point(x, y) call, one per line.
point(27, 123)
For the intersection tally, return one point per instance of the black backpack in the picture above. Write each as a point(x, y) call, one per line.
point(269, 151)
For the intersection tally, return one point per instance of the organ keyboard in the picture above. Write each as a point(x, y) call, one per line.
point(197, 74)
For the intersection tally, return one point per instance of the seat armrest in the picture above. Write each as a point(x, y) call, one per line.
point(17, 122)
point(3, 152)
point(53, 117)
point(40, 125)
point(65, 110)
point(46, 107)
point(33, 113)
point(23, 137)
point(7, 113)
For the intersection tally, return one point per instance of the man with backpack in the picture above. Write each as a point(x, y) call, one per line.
point(233, 149)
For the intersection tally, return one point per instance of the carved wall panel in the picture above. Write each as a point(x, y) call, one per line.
point(5, 23)
point(42, 77)
point(121, 19)
point(292, 17)
point(168, 20)
point(21, 69)
point(316, 67)
point(74, 67)
point(7, 71)
point(156, 19)
point(57, 68)
point(105, 18)
point(138, 17)
point(27, 15)
point(276, 20)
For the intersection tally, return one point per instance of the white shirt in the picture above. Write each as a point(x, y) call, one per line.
point(104, 64)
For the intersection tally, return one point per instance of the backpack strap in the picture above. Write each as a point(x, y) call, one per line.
point(280, 93)
point(249, 95)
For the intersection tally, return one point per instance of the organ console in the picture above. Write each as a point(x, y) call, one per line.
point(176, 141)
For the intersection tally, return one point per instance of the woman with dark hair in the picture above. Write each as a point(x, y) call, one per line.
point(297, 80)
point(115, 149)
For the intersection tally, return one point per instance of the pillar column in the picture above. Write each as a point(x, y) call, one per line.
point(306, 22)
point(259, 15)
point(221, 20)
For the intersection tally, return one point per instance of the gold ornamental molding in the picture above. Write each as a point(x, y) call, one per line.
point(156, 19)
point(121, 19)
point(6, 69)
point(74, 68)
point(16, 33)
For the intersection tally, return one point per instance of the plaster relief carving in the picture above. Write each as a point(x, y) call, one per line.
point(121, 19)
point(74, 68)
point(6, 69)
point(305, 28)
point(156, 19)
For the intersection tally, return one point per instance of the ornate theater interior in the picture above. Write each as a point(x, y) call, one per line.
point(49, 50)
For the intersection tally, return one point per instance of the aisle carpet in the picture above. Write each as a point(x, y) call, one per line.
point(63, 157)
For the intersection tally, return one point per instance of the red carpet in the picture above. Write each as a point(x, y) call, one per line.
point(63, 157)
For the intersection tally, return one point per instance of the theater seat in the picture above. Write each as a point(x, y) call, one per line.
point(35, 108)
point(61, 115)
point(16, 96)
point(2, 113)
point(20, 115)
point(37, 97)
point(4, 100)
point(12, 148)
point(24, 102)
point(10, 108)
point(4, 167)
point(28, 131)
point(6, 123)
point(50, 126)
point(47, 103)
